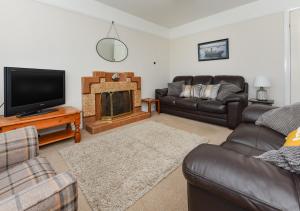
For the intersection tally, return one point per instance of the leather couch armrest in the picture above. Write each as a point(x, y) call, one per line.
point(245, 181)
point(253, 112)
point(239, 97)
point(235, 106)
point(246, 88)
point(161, 92)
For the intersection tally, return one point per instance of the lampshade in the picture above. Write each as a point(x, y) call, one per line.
point(262, 81)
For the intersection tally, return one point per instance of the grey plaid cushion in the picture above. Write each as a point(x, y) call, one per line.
point(287, 158)
point(24, 175)
point(187, 91)
point(175, 88)
point(226, 90)
point(196, 90)
point(283, 120)
point(17, 146)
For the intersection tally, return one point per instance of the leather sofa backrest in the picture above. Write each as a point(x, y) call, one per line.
point(207, 79)
point(253, 112)
point(187, 79)
point(202, 79)
point(237, 80)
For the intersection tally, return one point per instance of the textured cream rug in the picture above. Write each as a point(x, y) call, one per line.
point(116, 169)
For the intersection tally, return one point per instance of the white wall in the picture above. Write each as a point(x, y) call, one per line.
point(295, 55)
point(41, 36)
point(259, 8)
point(256, 48)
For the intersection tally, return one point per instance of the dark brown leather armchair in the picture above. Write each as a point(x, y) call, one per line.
point(227, 113)
point(229, 178)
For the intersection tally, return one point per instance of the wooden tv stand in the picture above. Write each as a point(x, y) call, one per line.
point(63, 116)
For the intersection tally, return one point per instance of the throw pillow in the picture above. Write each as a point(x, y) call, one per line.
point(186, 92)
point(293, 139)
point(175, 88)
point(226, 90)
point(196, 90)
point(287, 158)
point(210, 91)
point(282, 120)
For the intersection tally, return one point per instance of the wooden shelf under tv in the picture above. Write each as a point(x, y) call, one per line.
point(56, 136)
point(63, 116)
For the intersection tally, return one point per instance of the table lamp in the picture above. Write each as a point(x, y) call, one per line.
point(262, 82)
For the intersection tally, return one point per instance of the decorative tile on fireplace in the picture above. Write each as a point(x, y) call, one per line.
point(100, 82)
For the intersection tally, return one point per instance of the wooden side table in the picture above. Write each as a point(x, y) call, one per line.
point(264, 102)
point(150, 101)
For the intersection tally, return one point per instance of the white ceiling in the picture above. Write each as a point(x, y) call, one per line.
point(173, 13)
point(96, 9)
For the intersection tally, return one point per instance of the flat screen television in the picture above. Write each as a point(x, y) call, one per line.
point(32, 91)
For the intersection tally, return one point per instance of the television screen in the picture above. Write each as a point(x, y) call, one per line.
point(28, 90)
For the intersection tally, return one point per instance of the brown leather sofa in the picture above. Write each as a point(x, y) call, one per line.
point(228, 178)
point(227, 113)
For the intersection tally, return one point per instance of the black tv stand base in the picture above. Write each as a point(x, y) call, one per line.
point(38, 112)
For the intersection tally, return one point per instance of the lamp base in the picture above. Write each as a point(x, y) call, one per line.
point(261, 94)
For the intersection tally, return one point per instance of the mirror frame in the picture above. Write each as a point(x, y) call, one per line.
point(111, 38)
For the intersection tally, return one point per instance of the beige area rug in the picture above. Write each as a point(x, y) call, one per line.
point(116, 169)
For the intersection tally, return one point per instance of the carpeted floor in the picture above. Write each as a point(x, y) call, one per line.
point(170, 193)
point(116, 169)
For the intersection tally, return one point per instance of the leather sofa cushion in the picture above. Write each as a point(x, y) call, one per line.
point(245, 181)
point(241, 148)
point(205, 79)
point(237, 80)
point(187, 103)
point(212, 106)
point(209, 114)
point(168, 100)
point(261, 138)
point(187, 79)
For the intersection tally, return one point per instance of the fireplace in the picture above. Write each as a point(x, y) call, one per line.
point(108, 104)
point(116, 104)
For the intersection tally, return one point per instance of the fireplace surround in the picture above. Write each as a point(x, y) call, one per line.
point(107, 103)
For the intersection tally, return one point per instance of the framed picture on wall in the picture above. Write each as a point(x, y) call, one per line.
point(214, 50)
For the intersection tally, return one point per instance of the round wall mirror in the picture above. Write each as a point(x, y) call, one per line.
point(112, 49)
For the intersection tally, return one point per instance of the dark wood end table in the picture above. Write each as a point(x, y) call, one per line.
point(150, 101)
point(264, 102)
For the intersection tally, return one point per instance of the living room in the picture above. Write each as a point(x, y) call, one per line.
point(149, 105)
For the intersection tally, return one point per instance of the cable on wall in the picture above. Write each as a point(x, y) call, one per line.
point(1, 107)
point(113, 27)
